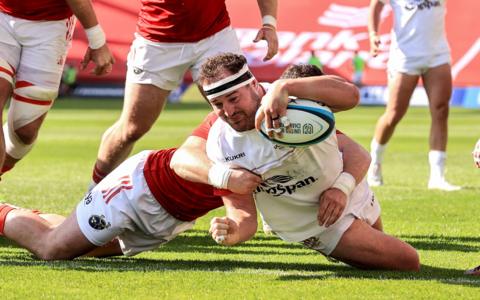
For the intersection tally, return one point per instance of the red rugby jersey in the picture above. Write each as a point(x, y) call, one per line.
point(186, 21)
point(185, 200)
point(203, 129)
point(36, 10)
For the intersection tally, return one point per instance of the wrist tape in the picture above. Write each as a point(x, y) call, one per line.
point(269, 20)
point(345, 182)
point(96, 37)
point(218, 176)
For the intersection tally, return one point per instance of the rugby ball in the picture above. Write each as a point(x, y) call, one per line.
point(310, 122)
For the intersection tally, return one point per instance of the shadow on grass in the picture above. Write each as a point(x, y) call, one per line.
point(300, 271)
point(261, 245)
point(198, 242)
point(427, 273)
point(443, 242)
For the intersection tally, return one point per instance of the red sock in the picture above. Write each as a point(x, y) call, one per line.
point(4, 210)
point(97, 175)
point(6, 168)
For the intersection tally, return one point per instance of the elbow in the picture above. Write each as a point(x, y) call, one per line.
point(368, 159)
point(175, 163)
point(354, 95)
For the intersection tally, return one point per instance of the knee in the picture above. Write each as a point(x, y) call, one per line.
point(51, 251)
point(132, 132)
point(27, 135)
point(411, 260)
point(48, 254)
point(439, 111)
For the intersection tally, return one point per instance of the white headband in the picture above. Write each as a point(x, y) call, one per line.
point(229, 83)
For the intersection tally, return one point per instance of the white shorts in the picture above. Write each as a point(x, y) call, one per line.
point(164, 64)
point(327, 240)
point(36, 49)
point(415, 65)
point(122, 206)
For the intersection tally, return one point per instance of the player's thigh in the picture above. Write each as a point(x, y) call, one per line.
point(143, 104)
point(159, 64)
point(44, 50)
point(5, 92)
point(438, 85)
point(222, 42)
point(10, 49)
point(10, 52)
point(400, 90)
point(365, 246)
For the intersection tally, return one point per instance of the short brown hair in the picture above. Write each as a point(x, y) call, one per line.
point(301, 70)
point(224, 61)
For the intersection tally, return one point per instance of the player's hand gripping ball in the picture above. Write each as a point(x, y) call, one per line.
point(307, 122)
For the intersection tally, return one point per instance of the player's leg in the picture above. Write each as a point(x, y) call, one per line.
point(10, 52)
point(19, 141)
point(6, 79)
point(36, 86)
point(438, 85)
point(154, 69)
point(221, 42)
point(45, 240)
point(400, 89)
point(142, 106)
point(365, 247)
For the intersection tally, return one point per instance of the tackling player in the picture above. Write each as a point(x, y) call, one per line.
point(326, 208)
point(140, 205)
point(34, 40)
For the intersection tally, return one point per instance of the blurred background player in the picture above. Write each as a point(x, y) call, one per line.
point(171, 37)
point(476, 154)
point(358, 64)
point(34, 41)
point(69, 80)
point(419, 48)
point(314, 60)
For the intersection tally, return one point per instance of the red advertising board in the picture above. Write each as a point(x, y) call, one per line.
point(334, 29)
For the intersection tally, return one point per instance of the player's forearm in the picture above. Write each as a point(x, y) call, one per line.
point(333, 91)
point(374, 12)
point(246, 222)
point(356, 159)
point(83, 10)
point(268, 7)
point(191, 163)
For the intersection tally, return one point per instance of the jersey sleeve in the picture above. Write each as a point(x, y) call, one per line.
point(204, 128)
point(221, 192)
point(337, 132)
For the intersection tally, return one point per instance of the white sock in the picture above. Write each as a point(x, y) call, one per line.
point(376, 151)
point(437, 163)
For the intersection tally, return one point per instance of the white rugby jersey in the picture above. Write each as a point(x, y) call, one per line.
point(293, 178)
point(419, 28)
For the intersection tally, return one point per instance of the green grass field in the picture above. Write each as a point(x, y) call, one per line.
point(444, 227)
